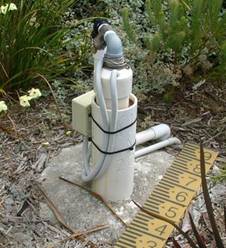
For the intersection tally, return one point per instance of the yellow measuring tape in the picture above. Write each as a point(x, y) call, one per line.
point(170, 198)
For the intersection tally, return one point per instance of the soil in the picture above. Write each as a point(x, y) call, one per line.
point(30, 137)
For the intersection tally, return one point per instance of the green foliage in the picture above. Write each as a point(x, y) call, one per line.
point(183, 31)
point(32, 38)
point(127, 26)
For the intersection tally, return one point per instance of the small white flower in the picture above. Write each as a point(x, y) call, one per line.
point(32, 21)
point(3, 9)
point(24, 101)
point(3, 106)
point(8, 7)
point(34, 93)
point(12, 6)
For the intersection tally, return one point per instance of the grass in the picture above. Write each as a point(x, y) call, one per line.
point(31, 44)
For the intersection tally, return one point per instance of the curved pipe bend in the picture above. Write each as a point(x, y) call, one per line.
point(113, 44)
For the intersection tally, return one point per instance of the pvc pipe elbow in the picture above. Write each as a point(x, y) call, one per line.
point(114, 45)
point(161, 132)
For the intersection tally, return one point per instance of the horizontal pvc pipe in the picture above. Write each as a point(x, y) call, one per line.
point(157, 146)
point(161, 132)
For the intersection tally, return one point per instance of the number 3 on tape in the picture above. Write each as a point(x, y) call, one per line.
point(145, 241)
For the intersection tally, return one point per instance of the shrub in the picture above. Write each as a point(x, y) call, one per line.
point(31, 40)
point(188, 34)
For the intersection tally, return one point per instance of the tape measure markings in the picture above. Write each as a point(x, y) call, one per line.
point(154, 200)
point(128, 238)
point(196, 150)
point(175, 193)
point(136, 224)
point(170, 178)
point(181, 170)
point(160, 185)
point(151, 207)
point(140, 222)
point(163, 189)
point(176, 174)
point(129, 235)
point(123, 242)
point(141, 231)
point(194, 156)
point(148, 233)
point(143, 215)
point(169, 184)
point(170, 199)
point(164, 199)
point(130, 242)
point(159, 192)
point(190, 167)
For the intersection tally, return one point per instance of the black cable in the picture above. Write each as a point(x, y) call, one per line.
point(112, 153)
point(113, 132)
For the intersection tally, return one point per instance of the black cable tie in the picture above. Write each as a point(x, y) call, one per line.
point(112, 153)
point(113, 132)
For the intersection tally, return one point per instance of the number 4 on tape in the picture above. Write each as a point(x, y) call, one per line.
point(176, 190)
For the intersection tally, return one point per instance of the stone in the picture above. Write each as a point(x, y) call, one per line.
point(80, 209)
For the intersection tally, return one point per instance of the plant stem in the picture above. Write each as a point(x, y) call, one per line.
point(207, 199)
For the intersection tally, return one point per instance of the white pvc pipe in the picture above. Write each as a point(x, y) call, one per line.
point(115, 180)
point(157, 146)
point(161, 132)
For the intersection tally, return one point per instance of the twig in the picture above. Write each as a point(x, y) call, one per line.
point(215, 136)
point(60, 218)
point(225, 218)
point(176, 244)
point(4, 70)
point(80, 233)
point(207, 199)
point(199, 240)
point(55, 211)
point(191, 242)
point(191, 122)
point(97, 196)
point(13, 124)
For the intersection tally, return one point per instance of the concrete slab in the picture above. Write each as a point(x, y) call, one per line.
point(81, 210)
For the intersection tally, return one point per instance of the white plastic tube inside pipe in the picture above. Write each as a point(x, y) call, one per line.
point(161, 132)
point(157, 146)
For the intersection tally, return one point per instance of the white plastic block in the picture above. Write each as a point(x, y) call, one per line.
point(81, 109)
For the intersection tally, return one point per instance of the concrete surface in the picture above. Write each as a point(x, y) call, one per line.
point(81, 210)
